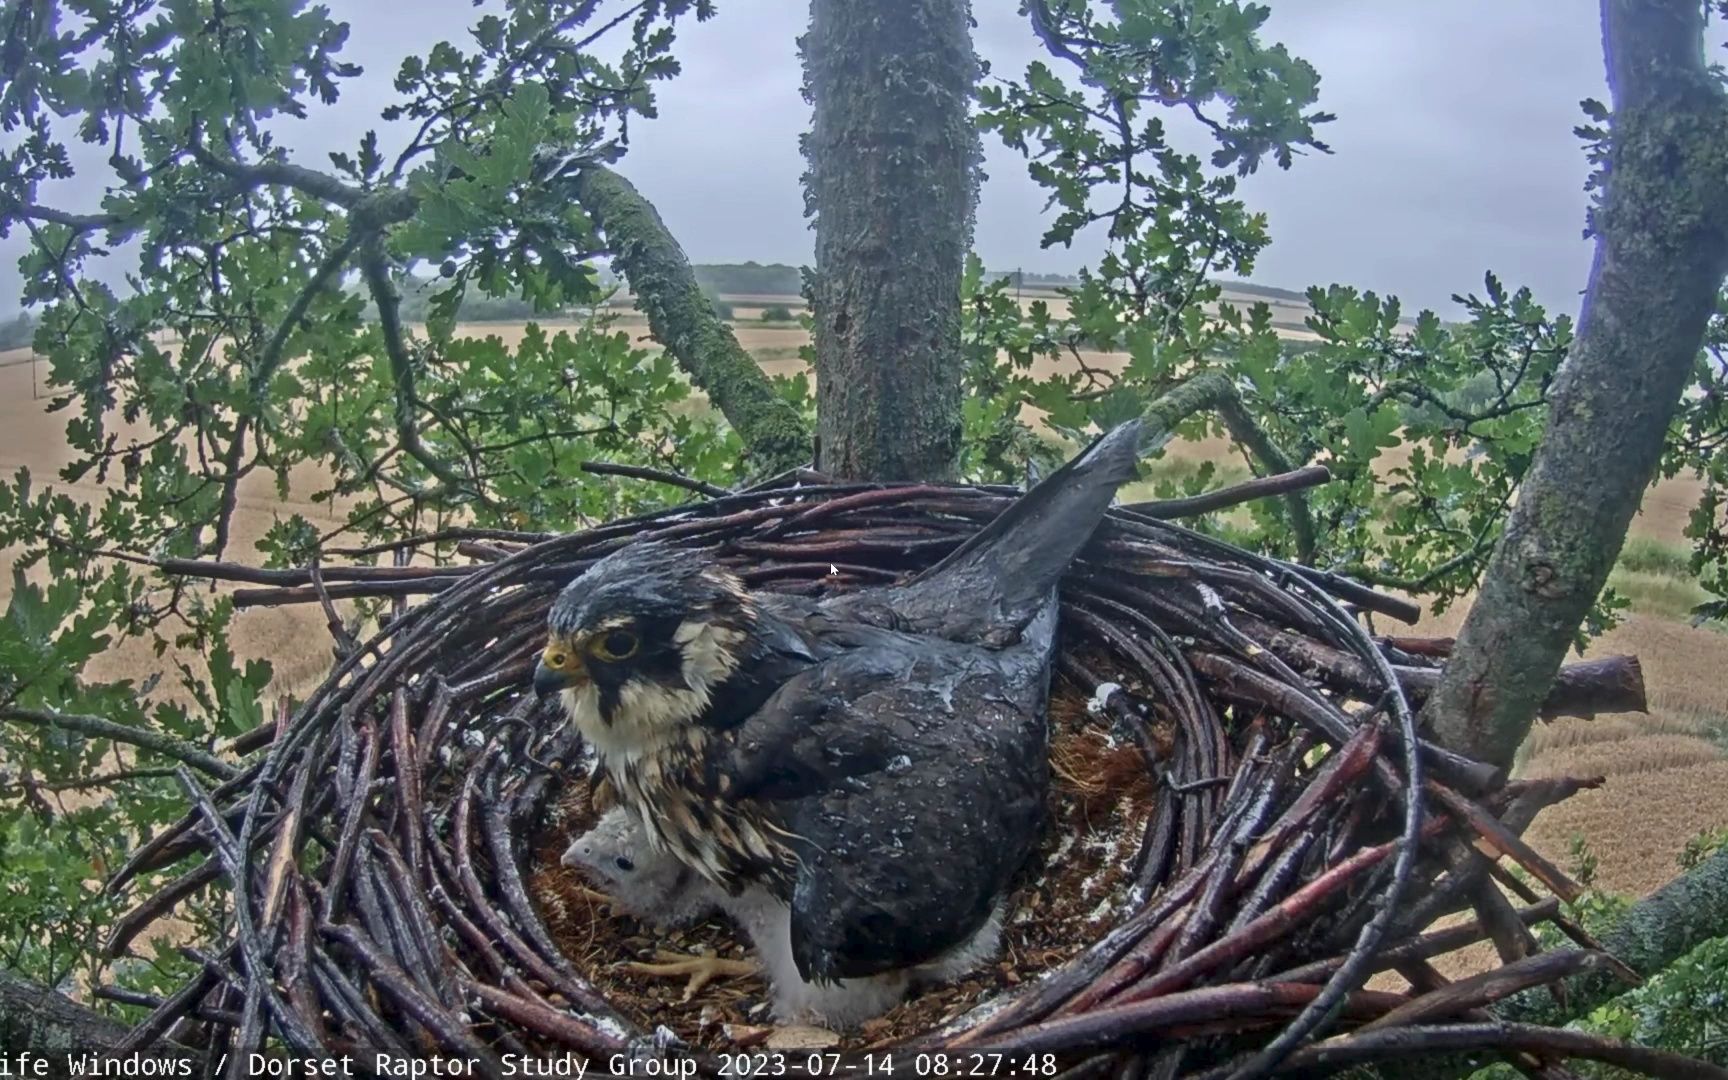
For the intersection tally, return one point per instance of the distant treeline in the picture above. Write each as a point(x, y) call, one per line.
point(750, 278)
point(17, 332)
point(476, 306)
point(779, 279)
point(1032, 278)
point(1268, 291)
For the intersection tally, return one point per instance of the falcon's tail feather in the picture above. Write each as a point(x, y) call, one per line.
point(1007, 569)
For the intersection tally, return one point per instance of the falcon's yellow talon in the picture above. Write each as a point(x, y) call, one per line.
point(701, 969)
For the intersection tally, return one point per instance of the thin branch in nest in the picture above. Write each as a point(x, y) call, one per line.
point(1309, 476)
point(659, 476)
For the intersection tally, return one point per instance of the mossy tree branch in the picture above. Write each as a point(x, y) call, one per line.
point(1661, 252)
point(38, 1019)
point(97, 727)
point(1655, 932)
point(682, 320)
point(1212, 391)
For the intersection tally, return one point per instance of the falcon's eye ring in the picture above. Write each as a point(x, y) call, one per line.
point(624, 864)
point(557, 660)
point(615, 645)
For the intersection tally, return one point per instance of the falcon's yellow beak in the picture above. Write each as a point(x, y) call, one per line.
point(560, 667)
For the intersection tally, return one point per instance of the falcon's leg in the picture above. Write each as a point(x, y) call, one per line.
point(701, 969)
point(843, 1004)
point(966, 957)
point(838, 1005)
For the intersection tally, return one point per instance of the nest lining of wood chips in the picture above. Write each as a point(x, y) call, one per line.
point(1230, 717)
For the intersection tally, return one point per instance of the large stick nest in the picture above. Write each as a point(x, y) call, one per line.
point(1257, 832)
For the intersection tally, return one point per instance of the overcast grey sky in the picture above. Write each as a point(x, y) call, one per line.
point(1453, 148)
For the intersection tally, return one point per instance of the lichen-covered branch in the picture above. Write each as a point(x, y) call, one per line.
point(1662, 249)
point(383, 290)
point(1212, 391)
point(97, 727)
point(1655, 932)
point(682, 320)
point(37, 1018)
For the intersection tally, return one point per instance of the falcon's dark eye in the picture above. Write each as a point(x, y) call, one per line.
point(615, 645)
point(624, 864)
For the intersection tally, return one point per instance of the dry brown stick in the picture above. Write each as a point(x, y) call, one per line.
point(1293, 911)
point(294, 958)
point(1423, 976)
point(549, 1022)
point(1503, 841)
point(147, 1033)
point(1521, 802)
point(1343, 1051)
point(440, 1023)
point(1566, 924)
point(659, 476)
point(157, 905)
point(1609, 684)
point(345, 642)
point(1110, 1027)
point(474, 549)
point(1236, 681)
point(1436, 942)
point(286, 848)
point(258, 575)
point(1344, 768)
point(1437, 647)
point(1125, 945)
point(502, 933)
point(306, 594)
point(152, 1001)
point(403, 883)
point(1512, 939)
point(260, 992)
point(1489, 987)
point(347, 1002)
point(336, 881)
point(1354, 592)
point(443, 536)
point(406, 764)
point(1308, 476)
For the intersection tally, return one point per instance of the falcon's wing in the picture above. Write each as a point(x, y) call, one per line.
point(911, 775)
point(1002, 576)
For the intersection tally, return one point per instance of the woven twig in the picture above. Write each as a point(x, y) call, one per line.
point(374, 844)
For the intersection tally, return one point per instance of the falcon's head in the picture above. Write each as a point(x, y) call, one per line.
point(638, 644)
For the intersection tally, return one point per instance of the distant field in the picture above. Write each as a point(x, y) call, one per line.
point(1668, 772)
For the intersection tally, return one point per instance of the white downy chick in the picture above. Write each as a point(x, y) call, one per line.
point(651, 886)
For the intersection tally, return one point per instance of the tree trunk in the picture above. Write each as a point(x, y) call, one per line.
point(681, 318)
point(37, 1019)
point(892, 184)
point(1661, 252)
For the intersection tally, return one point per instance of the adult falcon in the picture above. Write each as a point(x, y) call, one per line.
point(875, 761)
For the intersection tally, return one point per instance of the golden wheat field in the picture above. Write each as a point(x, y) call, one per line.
point(1667, 771)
